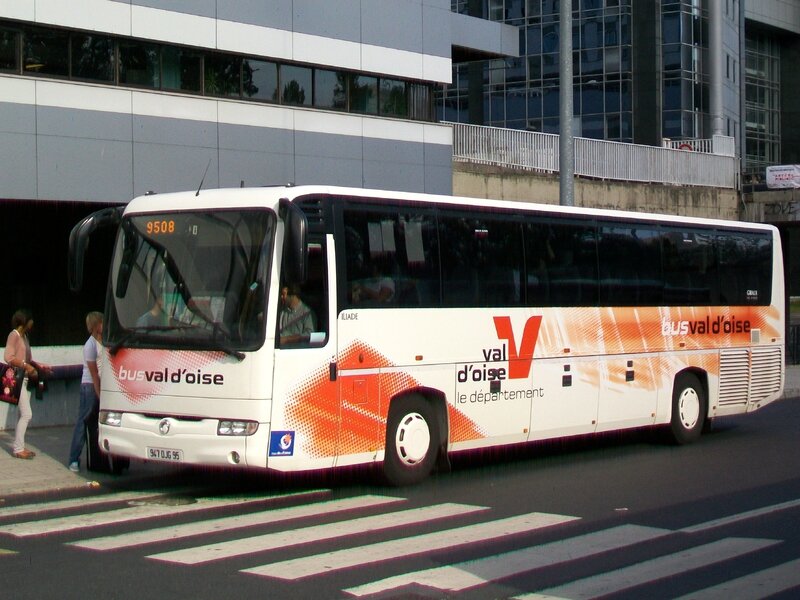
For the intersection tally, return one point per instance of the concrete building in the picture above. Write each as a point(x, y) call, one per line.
point(644, 70)
point(102, 100)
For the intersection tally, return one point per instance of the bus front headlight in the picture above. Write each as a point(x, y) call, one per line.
point(109, 417)
point(237, 427)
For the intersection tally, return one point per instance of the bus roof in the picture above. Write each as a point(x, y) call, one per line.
point(269, 197)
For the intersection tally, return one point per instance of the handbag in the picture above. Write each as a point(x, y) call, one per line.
point(11, 384)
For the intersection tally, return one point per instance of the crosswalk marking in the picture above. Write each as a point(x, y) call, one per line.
point(41, 507)
point(465, 575)
point(138, 538)
point(750, 514)
point(123, 515)
point(420, 544)
point(754, 586)
point(653, 570)
point(284, 539)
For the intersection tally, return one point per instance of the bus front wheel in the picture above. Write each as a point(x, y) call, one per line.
point(688, 409)
point(412, 440)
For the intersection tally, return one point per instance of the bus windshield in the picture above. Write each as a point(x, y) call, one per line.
point(193, 280)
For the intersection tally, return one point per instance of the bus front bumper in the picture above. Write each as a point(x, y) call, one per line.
point(178, 441)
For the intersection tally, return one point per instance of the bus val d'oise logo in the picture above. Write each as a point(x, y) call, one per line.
point(519, 357)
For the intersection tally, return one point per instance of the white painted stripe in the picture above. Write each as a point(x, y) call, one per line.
point(402, 63)
point(174, 27)
point(750, 514)
point(254, 114)
point(139, 538)
point(441, 133)
point(42, 507)
point(121, 515)
point(85, 96)
point(437, 68)
point(395, 130)
point(254, 40)
point(316, 49)
point(92, 15)
point(465, 575)
point(24, 10)
point(207, 32)
point(285, 539)
point(337, 124)
point(652, 570)
point(17, 90)
point(410, 546)
point(160, 104)
point(754, 586)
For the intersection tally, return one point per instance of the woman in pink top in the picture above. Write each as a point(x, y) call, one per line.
point(18, 354)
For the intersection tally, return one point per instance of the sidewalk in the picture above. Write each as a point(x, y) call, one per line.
point(48, 471)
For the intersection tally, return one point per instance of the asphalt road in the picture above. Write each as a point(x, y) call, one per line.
point(622, 516)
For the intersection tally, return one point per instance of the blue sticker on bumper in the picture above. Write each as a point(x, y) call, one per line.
point(281, 443)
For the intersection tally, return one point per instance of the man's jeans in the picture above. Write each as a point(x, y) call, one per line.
point(88, 400)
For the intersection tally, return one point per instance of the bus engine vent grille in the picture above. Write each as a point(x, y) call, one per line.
point(734, 376)
point(766, 373)
point(749, 375)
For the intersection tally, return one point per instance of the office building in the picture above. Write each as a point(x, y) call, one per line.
point(103, 100)
point(644, 70)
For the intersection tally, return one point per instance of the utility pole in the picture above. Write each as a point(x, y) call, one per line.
point(566, 143)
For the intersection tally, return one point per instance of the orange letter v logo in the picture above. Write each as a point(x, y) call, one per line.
point(519, 359)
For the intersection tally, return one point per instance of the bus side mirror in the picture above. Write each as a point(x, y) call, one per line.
point(79, 242)
point(295, 247)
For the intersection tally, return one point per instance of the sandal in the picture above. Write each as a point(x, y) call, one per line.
point(24, 454)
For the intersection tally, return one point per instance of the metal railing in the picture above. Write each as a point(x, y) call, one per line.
point(595, 158)
point(717, 144)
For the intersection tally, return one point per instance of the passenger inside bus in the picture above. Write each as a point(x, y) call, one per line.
point(297, 320)
point(378, 288)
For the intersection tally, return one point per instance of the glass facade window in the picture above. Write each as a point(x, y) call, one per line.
point(181, 69)
point(139, 64)
point(420, 100)
point(523, 93)
point(330, 89)
point(364, 94)
point(260, 80)
point(110, 60)
point(9, 50)
point(222, 75)
point(295, 85)
point(92, 57)
point(762, 103)
point(393, 98)
point(46, 53)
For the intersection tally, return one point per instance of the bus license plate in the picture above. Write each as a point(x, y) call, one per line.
point(165, 454)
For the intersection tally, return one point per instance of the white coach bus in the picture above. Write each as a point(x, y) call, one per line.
point(428, 325)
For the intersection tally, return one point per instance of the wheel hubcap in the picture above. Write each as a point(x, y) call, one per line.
point(413, 439)
point(689, 408)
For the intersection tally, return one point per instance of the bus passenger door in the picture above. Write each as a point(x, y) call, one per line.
point(305, 413)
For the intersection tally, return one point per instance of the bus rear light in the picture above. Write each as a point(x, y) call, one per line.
point(237, 427)
point(107, 417)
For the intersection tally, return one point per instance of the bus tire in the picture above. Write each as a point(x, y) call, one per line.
point(689, 409)
point(412, 440)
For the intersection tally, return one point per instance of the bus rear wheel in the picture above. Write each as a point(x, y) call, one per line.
point(689, 409)
point(412, 441)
